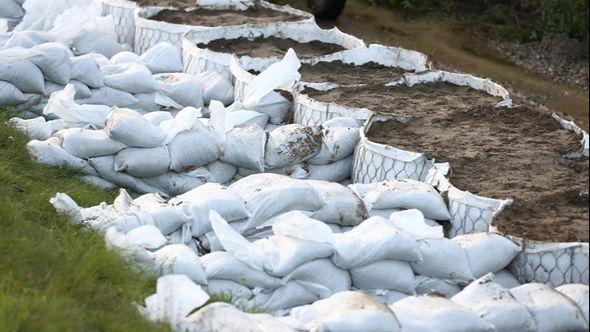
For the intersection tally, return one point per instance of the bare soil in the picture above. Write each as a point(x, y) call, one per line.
point(166, 3)
point(348, 74)
point(211, 18)
point(506, 153)
point(265, 47)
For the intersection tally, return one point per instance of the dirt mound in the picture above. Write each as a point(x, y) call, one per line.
point(506, 153)
point(347, 74)
point(211, 18)
point(265, 47)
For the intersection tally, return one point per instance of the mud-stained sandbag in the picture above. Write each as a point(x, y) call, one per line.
point(130, 77)
point(173, 183)
point(244, 147)
point(130, 128)
point(496, 305)
point(375, 239)
point(487, 252)
point(88, 143)
point(440, 314)
point(386, 274)
point(339, 205)
point(105, 167)
point(338, 141)
point(292, 144)
point(577, 293)
point(444, 259)
point(143, 162)
point(345, 311)
point(49, 152)
point(109, 97)
point(163, 58)
point(86, 70)
point(180, 259)
point(425, 285)
point(224, 265)
point(54, 62)
point(403, 194)
point(216, 87)
point(551, 310)
point(183, 89)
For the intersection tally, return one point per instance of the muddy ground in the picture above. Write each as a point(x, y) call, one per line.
point(210, 18)
point(506, 153)
point(345, 74)
point(265, 47)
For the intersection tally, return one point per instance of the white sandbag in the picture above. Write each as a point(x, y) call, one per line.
point(487, 252)
point(130, 77)
point(195, 147)
point(165, 217)
point(109, 97)
point(100, 59)
point(444, 259)
point(177, 183)
point(426, 285)
point(216, 87)
point(49, 152)
point(146, 102)
point(346, 312)
point(223, 287)
point(82, 90)
point(17, 67)
point(62, 105)
point(404, 194)
point(577, 293)
point(506, 279)
point(176, 297)
point(321, 272)
point(180, 259)
point(334, 172)
point(155, 118)
point(146, 236)
point(143, 162)
point(268, 195)
point(297, 225)
point(88, 143)
point(98, 182)
point(130, 128)
point(96, 41)
point(291, 294)
point(268, 323)
point(245, 118)
point(163, 58)
point(496, 305)
point(221, 172)
point(105, 167)
point(337, 143)
point(292, 144)
point(134, 254)
point(224, 265)
point(339, 205)
point(198, 202)
point(214, 318)
point(245, 147)
point(11, 9)
point(126, 57)
point(385, 295)
point(551, 310)
point(440, 314)
point(413, 222)
point(10, 95)
point(182, 88)
point(386, 274)
point(54, 62)
point(375, 239)
point(34, 129)
point(85, 69)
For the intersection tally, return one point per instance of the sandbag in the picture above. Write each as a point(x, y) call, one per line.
point(131, 129)
point(577, 293)
point(11, 9)
point(163, 58)
point(17, 67)
point(224, 265)
point(96, 41)
point(146, 102)
point(440, 314)
point(375, 239)
point(487, 252)
point(180, 259)
point(36, 128)
point(444, 259)
point(403, 194)
point(223, 287)
point(62, 105)
point(551, 310)
point(88, 143)
point(426, 285)
point(292, 144)
point(49, 152)
point(506, 279)
point(221, 172)
point(334, 172)
point(195, 147)
point(413, 222)
point(216, 87)
point(496, 305)
point(126, 57)
point(173, 183)
point(244, 147)
point(158, 117)
point(291, 294)
point(245, 118)
point(143, 162)
point(321, 272)
point(385, 295)
point(183, 89)
point(198, 202)
point(146, 236)
point(338, 142)
point(85, 69)
point(10, 95)
point(109, 97)
point(386, 274)
point(339, 205)
point(105, 167)
point(344, 312)
point(54, 62)
point(214, 318)
point(130, 77)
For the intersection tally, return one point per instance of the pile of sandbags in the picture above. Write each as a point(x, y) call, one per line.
point(11, 11)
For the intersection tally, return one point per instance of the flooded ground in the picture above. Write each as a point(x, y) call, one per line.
point(456, 49)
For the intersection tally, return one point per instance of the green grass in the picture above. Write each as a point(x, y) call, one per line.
point(56, 276)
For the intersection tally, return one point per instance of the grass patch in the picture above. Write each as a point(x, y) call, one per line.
point(56, 276)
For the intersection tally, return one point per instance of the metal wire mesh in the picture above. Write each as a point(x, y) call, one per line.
point(147, 37)
point(124, 19)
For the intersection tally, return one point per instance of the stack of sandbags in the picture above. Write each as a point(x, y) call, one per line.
point(11, 11)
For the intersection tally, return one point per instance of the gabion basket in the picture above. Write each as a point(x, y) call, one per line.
point(123, 14)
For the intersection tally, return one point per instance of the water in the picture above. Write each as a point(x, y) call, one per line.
point(457, 50)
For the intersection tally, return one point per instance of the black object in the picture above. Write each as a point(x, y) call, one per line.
point(326, 9)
